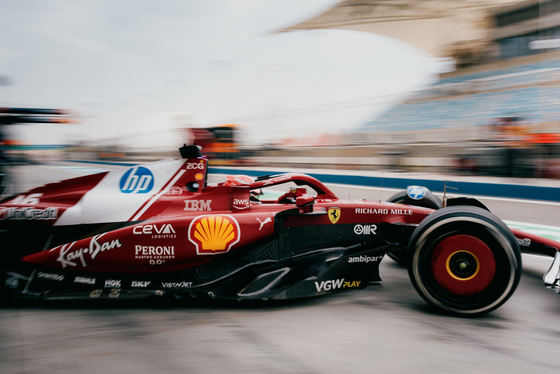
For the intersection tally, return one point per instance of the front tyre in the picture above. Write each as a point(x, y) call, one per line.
point(464, 261)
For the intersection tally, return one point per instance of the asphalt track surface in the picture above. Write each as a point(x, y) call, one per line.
point(385, 328)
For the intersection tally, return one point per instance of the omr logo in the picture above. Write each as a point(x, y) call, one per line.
point(137, 180)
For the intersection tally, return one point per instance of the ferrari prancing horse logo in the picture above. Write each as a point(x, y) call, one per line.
point(334, 214)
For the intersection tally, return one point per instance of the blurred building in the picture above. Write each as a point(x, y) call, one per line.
point(220, 143)
point(14, 150)
point(507, 65)
point(443, 28)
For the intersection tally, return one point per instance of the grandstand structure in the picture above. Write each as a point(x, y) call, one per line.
point(463, 107)
point(507, 57)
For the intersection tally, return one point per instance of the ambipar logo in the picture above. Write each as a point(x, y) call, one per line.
point(137, 180)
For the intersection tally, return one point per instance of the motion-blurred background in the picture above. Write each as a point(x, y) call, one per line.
point(463, 86)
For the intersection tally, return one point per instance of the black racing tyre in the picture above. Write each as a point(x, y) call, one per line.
point(428, 201)
point(464, 260)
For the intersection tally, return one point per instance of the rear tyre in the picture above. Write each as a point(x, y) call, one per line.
point(464, 260)
point(429, 200)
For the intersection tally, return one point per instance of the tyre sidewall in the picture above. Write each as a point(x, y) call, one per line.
point(472, 221)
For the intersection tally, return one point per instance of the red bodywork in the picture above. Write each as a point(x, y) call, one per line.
point(186, 229)
point(173, 221)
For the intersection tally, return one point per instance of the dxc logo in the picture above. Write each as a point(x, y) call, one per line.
point(137, 180)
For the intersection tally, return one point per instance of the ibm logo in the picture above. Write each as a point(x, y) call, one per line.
point(137, 180)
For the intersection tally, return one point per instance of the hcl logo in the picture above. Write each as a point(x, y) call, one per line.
point(137, 180)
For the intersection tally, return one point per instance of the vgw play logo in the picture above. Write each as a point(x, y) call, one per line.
point(137, 180)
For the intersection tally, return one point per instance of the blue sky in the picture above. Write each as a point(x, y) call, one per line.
point(135, 71)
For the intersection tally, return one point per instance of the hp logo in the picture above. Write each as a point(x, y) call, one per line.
point(416, 192)
point(137, 180)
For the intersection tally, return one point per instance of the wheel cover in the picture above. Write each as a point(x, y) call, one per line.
point(463, 264)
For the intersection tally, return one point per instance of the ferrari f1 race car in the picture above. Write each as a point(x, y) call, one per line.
point(160, 229)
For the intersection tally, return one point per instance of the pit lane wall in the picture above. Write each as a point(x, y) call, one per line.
point(531, 189)
point(518, 188)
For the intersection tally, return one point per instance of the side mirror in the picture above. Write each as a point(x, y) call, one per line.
point(192, 186)
point(305, 203)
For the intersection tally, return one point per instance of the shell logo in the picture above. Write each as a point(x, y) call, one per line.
point(213, 234)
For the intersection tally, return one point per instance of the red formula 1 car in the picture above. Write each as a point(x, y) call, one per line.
point(159, 229)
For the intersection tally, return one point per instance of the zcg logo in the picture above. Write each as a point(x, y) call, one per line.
point(137, 180)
